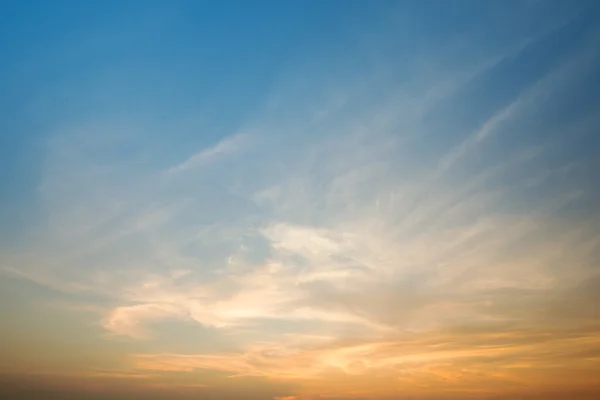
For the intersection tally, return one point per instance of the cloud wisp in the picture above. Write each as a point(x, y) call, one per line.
point(203, 157)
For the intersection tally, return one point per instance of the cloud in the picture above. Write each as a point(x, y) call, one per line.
point(127, 320)
point(228, 145)
point(415, 363)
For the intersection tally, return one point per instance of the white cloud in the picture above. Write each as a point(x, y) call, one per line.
point(129, 320)
point(228, 145)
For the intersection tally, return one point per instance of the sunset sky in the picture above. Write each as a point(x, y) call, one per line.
point(300, 200)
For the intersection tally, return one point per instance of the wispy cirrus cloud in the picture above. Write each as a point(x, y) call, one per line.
point(222, 148)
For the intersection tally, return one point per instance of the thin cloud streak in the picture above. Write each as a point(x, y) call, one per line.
point(224, 147)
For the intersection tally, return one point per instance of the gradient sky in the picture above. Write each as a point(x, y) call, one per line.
point(300, 200)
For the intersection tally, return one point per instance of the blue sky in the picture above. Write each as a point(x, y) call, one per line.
point(292, 200)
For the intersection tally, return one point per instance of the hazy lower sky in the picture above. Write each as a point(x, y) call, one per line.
point(300, 200)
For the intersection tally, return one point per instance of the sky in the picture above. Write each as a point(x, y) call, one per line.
point(300, 200)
